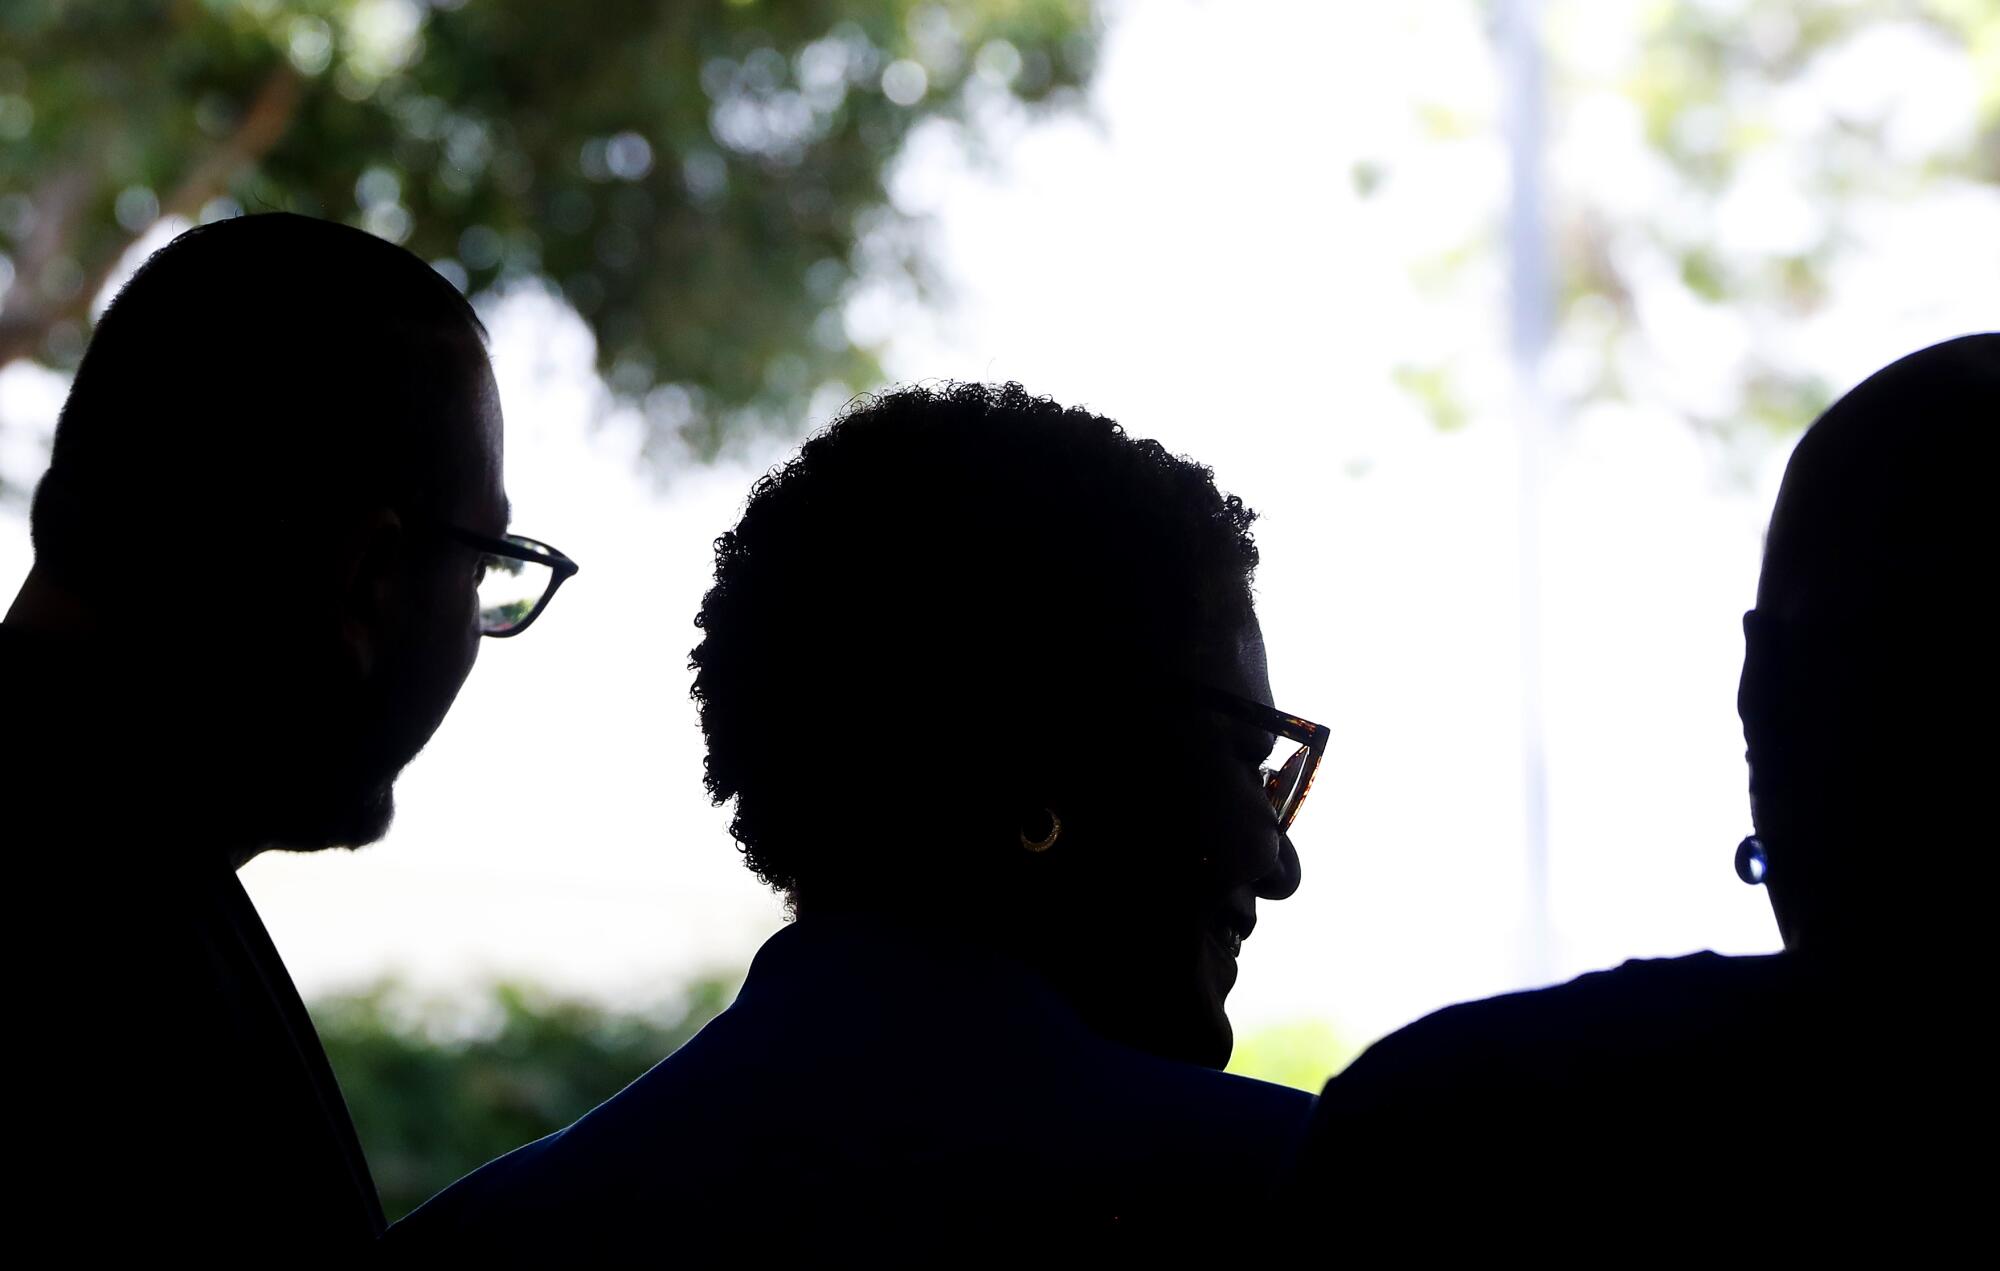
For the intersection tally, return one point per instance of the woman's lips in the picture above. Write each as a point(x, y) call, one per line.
point(1229, 933)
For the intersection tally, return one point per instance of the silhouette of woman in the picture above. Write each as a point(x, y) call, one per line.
point(1815, 1099)
point(983, 679)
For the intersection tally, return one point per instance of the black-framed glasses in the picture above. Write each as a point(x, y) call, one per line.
point(1286, 784)
point(518, 576)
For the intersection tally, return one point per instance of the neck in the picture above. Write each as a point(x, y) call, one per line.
point(103, 728)
point(44, 606)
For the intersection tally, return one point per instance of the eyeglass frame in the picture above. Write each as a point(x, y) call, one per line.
point(1312, 739)
point(561, 568)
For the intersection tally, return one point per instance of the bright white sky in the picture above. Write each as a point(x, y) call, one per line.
point(1192, 261)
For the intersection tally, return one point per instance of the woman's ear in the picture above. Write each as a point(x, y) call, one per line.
point(371, 594)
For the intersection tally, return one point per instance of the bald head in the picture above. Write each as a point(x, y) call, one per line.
point(253, 372)
point(1888, 497)
point(1866, 693)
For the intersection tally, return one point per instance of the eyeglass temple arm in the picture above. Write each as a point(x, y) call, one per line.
point(1303, 731)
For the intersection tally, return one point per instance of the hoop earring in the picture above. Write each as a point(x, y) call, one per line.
point(1751, 866)
point(1044, 844)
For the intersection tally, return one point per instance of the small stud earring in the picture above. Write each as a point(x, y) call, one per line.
point(1750, 863)
point(1048, 841)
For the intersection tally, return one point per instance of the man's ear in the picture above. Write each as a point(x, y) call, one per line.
point(371, 593)
point(1756, 690)
point(1768, 702)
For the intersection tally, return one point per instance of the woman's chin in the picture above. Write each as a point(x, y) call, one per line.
point(1182, 1019)
point(1213, 1044)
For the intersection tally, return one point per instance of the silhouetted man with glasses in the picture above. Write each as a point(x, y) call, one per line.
point(271, 536)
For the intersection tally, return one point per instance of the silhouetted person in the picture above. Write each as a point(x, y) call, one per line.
point(258, 584)
point(1833, 1097)
point(982, 678)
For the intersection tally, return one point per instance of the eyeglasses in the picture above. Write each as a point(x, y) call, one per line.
point(1287, 784)
point(517, 578)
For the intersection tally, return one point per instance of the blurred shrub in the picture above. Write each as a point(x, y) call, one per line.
point(438, 1088)
point(1302, 1054)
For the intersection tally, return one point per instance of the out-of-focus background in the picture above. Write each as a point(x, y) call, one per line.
point(1505, 314)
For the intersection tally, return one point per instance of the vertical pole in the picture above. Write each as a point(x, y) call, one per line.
point(1529, 319)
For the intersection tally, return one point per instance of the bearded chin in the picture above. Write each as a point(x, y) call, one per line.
point(356, 820)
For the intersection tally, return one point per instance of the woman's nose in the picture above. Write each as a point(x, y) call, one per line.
point(1283, 879)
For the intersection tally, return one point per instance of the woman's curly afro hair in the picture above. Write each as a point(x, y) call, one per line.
point(933, 587)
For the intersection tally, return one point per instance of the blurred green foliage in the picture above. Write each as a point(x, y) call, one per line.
point(440, 1087)
point(703, 182)
point(1722, 92)
point(1727, 100)
point(1303, 1054)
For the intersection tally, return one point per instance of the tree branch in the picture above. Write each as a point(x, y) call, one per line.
point(27, 315)
point(58, 203)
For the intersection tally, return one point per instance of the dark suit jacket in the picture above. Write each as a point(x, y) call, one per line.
point(1696, 1106)
point(875, 1088)
point(170, 1093)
